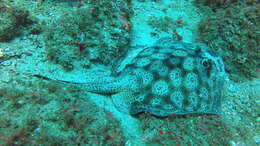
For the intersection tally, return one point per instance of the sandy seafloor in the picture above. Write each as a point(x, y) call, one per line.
point(40, 112)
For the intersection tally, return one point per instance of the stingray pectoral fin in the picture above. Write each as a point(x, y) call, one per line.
point(123, 101)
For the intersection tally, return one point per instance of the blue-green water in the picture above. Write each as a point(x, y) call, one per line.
point(136, 72)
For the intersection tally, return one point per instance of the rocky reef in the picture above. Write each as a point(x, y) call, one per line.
point(35, 110)
point(95, 33)
point(233, 32)
point(12, 19)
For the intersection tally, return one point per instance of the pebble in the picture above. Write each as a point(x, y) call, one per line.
point(20, 102)
point(6, 63)
point(257, 100)
point(258, 119)
point(1, 52)
point(232, 88)
point(5, 77)
point(37, 130)
point(257, 139)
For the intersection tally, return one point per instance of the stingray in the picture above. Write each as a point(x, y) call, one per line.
point(171, 77)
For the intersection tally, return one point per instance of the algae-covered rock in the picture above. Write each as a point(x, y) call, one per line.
point(215, 4)
point(98, 32)
point(164, 24)
point(234, 33)
point(11, 20)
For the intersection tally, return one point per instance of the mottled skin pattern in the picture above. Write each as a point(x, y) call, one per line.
point(170, 78)
point(179, 79)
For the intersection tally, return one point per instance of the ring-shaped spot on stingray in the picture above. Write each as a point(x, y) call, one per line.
point(163, 71)
point(160, 56)
point(174, 60)
point(146, 76)
point(203, 107)
point(163, 50)
point(191, 81)
point(176, 77)
point(142, 62)
point(188, 63)
point(177, 97)
point(193, 101)
point(168, 107)
point(204, 93)
point(139, 98)
point(155, 101)
point(193, 98)
point(179, 53)
point(156, 65)
point(160, 88)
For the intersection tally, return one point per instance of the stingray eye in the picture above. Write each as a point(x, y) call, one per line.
point(206, 63)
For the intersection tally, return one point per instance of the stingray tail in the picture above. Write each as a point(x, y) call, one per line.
point(111, 86)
